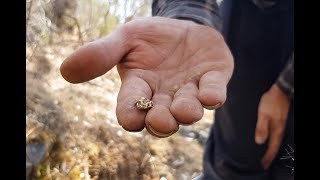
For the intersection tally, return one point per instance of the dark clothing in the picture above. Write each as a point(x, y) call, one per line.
point(207, 12)
point(260, 37)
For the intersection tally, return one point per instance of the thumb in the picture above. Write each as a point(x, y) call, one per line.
point(95, 58)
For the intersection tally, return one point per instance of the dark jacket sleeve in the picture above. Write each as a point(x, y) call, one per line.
point(205, 12)
point(285, 80)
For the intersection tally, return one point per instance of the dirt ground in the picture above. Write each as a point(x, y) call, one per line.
point(73, 133)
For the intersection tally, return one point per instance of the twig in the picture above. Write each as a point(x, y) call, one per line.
point(129, 18)
point(30, 131)
point(74, 164)
point(78, 26)
point(289, 155)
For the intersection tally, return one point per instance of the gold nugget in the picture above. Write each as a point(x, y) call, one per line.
point(143, 103)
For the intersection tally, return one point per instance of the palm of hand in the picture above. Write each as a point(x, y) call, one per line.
point(178, 64)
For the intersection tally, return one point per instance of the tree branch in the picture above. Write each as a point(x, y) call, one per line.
point(78, 26)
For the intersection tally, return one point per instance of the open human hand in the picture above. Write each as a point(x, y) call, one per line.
point(180, 65)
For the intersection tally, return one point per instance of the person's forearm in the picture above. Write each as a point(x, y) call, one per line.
point(205, 12)
point(286, 79)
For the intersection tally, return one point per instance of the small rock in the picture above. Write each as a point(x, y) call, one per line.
point(87, 123)
point(203, 136)
point(119, 133)
point(82, 175)
point(76, 118)
point(35, 153)
point(178, 162)
point(188, 132)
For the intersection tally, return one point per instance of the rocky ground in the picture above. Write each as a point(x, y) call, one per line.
point(72, 131)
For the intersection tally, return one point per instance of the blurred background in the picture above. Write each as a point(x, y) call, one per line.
point(71, 130)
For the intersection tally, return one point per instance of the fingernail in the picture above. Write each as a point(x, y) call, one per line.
point(259, 140)
point(162, 135)
point(187, 124)
point(212, 107)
